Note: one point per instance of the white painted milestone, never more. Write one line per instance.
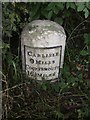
(43, 46)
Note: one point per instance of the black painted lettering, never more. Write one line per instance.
(27, 66)
(29, 53)
(43, 56)
(42, 62)
(57, 53)
(28, 72)
(38, 61)
(38, 55)
(46, 55)
(50, 75)
(41, 69)
(31, 60)
(34, 55)
(49, 69)
(53, 54)
(39, 75)
(54, 74)
(45, 68)
(50, 55)
(31, 73)
(45, 62)
(44, 75)
(53, 61)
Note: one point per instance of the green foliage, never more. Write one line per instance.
(83, 7)
(16, 15)
(11, 65)
(87, 39)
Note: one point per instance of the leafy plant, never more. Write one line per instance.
(65, 99)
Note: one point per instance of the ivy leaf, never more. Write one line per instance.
(56, 10)
(86, 12)
(87, 39)
(50, 14)
(80, 6)
(14, 28)
(50, 6)
(88, 5)
(60, 6)
(59, 20)
(83, 53)
(34, 10)
(71, 5)
(67, 5)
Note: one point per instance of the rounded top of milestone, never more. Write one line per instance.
(43, 33)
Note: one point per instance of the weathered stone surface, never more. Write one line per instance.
(43, 45)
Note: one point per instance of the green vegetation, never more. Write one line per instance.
(65, 99)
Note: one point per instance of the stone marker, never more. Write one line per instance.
(43, 45)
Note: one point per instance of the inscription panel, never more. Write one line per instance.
(42, 63)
